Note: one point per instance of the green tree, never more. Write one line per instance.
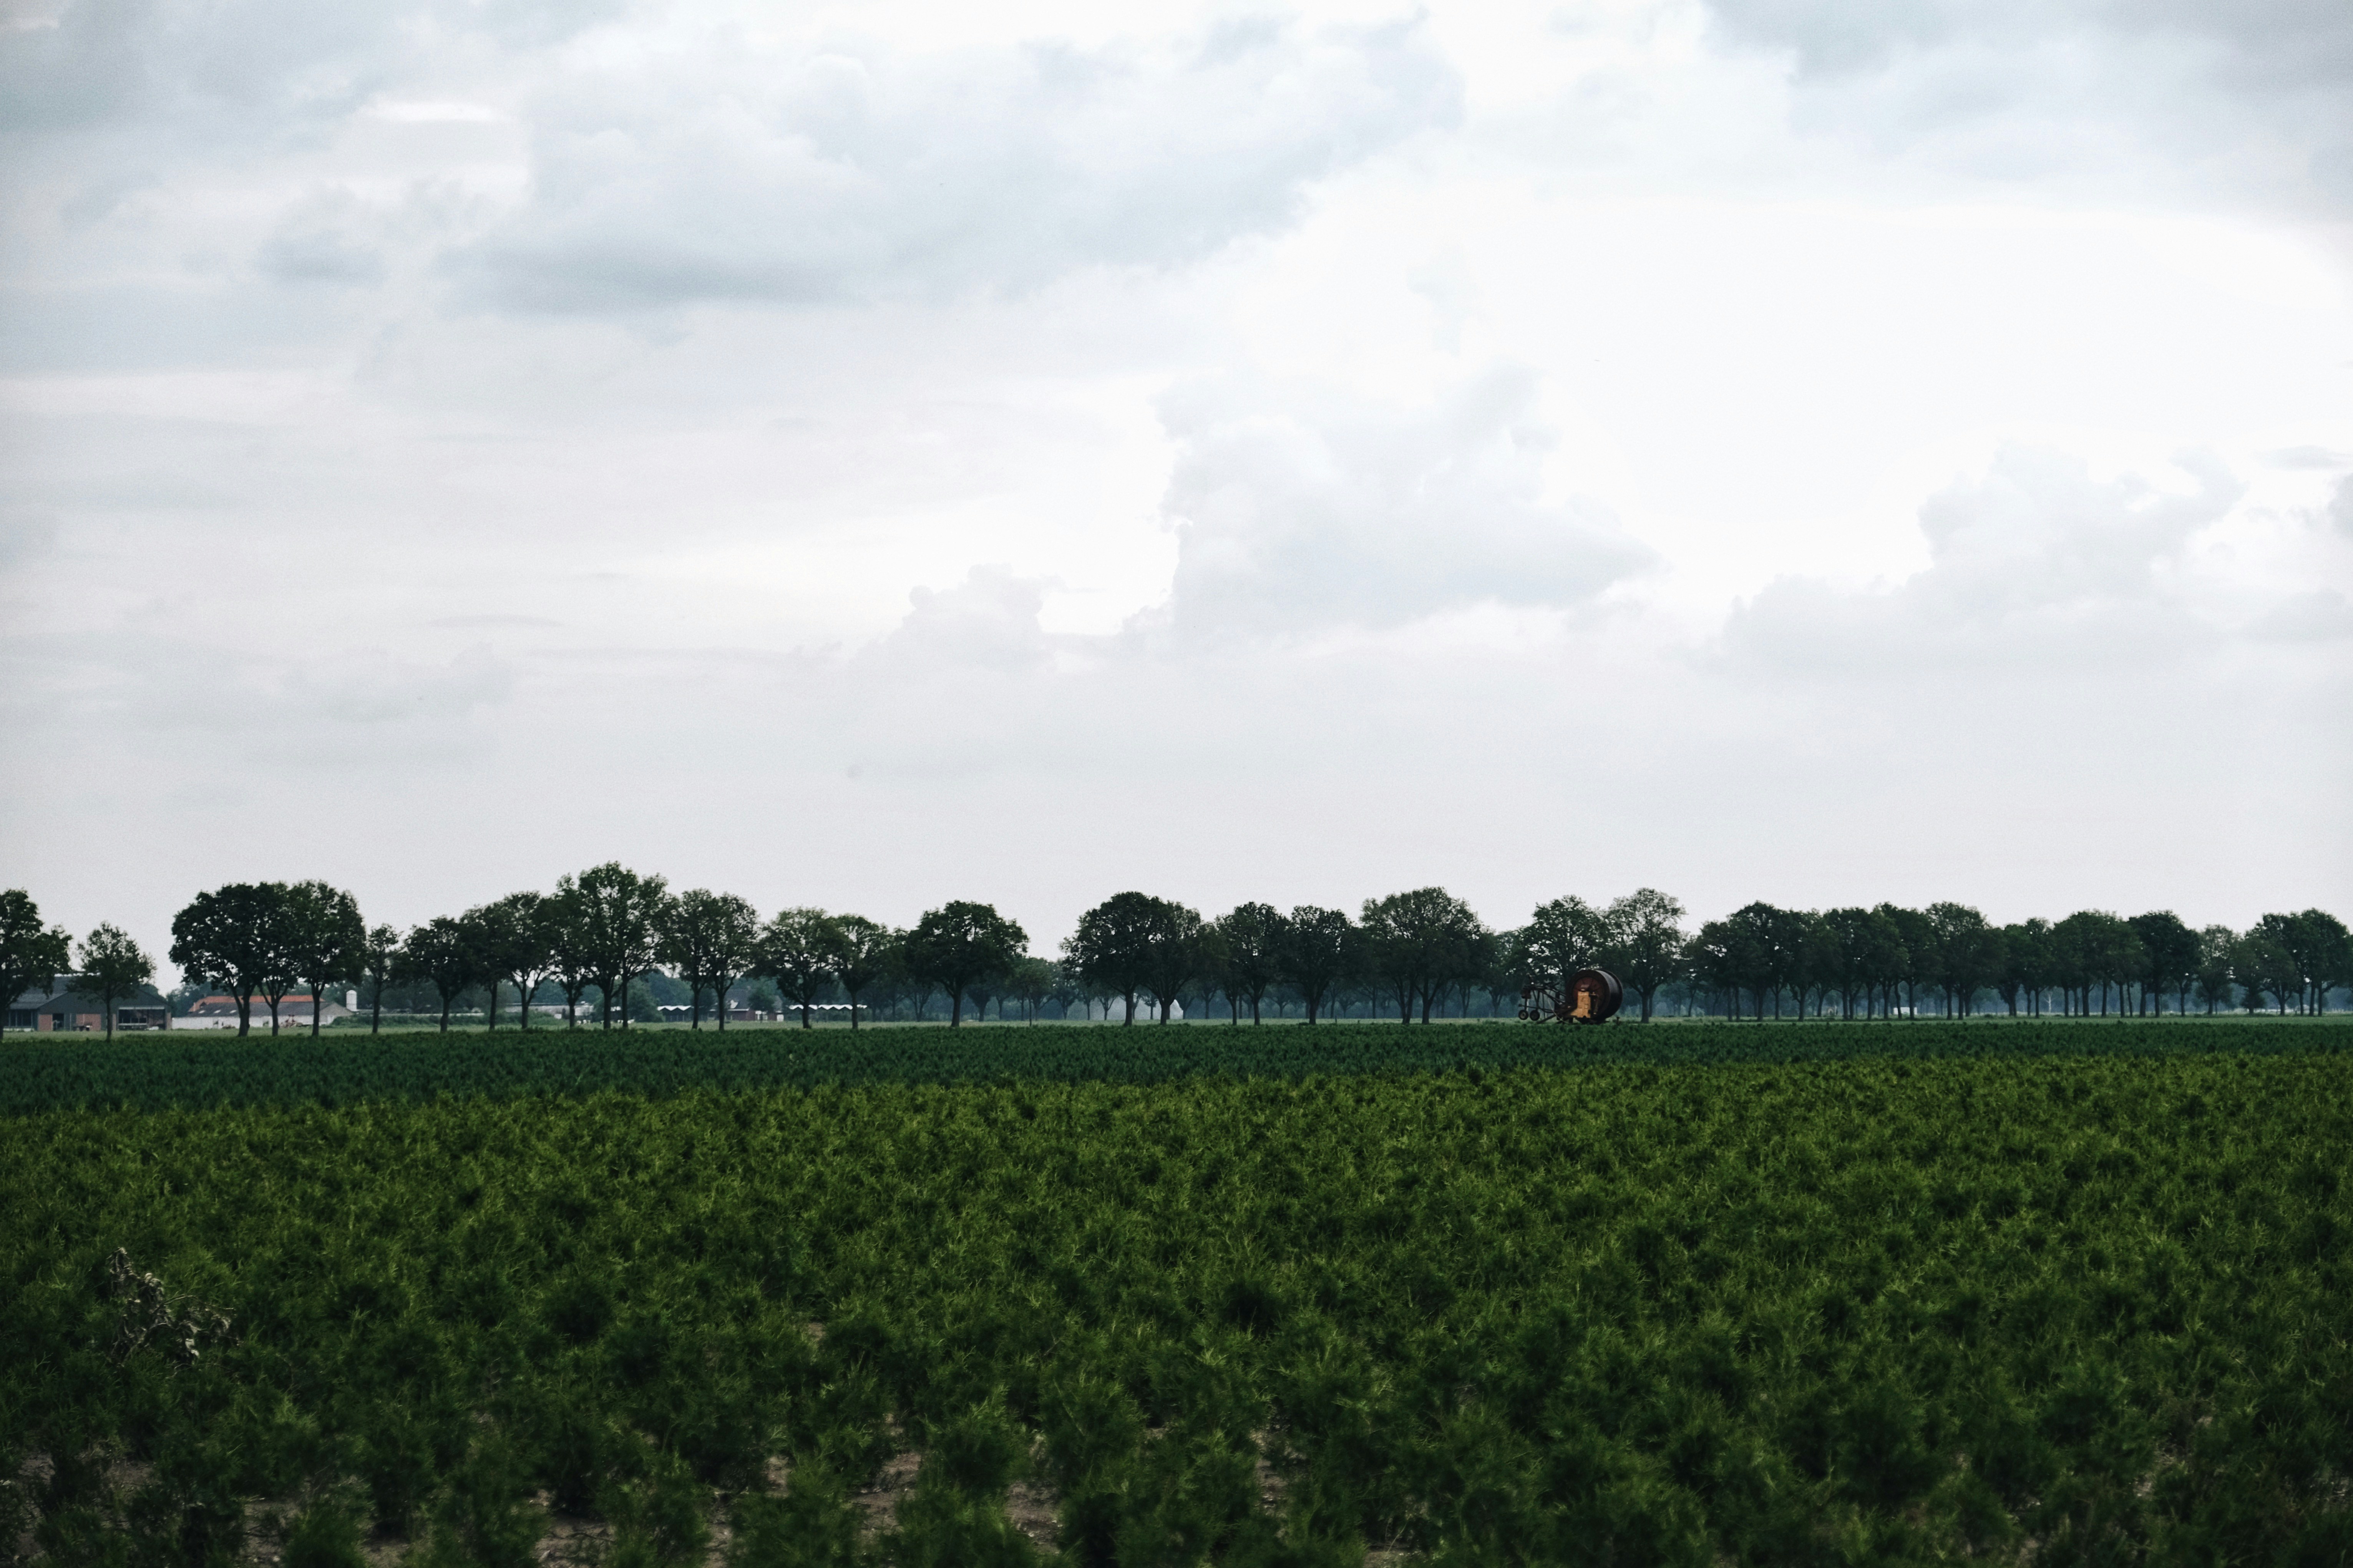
(2112, 957)
(2026, 963)
(31, 954)
(861, 953)
(1908, 963)
(1030, 983)
(2169, 957)
(1419, 942)
(1254, 936)
(1854, 939)
(1644, 943)
(1068, 989)
(1965, 955)
(621, 915)
(1322, 949)
(517, 946)
(2261, 963)
(799, 948)
(1812, 958)
(572, 955)
(379, 965)
(1760, 951)
(1174, 953)
(712, 940)
(2332, 955)
(1561, 938)
(1714, 957)
(2313, 943)
(960, 945)
(2216, 944)
(446, 953)
(2095, 951)
(230, 937)
(1111, 947)
(113, 967)
(325, 942)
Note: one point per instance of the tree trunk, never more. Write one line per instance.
(955, 1008)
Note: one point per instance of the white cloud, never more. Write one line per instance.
(1298, 508)
(850, 169)
(2241, 102)
(2037, 570)
(869, 455)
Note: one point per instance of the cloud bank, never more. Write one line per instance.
(870, 456)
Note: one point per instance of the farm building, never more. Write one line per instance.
(220, 1012)
(59, 1008)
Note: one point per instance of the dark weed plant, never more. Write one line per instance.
(2059, 1306)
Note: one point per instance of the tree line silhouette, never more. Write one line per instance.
(1410, 954)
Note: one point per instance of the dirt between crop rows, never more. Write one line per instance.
(570, 1541)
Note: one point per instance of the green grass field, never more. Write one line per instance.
(2062, 1293)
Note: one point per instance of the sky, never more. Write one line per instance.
(1824, 451)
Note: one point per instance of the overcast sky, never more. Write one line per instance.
(1819, 450)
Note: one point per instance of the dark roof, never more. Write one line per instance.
(60, 998)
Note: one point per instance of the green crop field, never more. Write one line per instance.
(152, 1071)
(1838, 1294)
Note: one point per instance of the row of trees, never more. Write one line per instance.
(601, 931)
(1871, 962)
(607, 928)
(107, 963)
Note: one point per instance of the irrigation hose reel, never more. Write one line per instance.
(1590, 997)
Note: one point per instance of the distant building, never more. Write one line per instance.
(220, 1012)
(59, 1008)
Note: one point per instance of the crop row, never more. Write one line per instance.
(152, 1072)
(2095, 1306)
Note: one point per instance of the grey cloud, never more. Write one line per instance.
(731, 176)
(2340, 505)
(2308, 458)
(492, 622)
(987, 621)
(2251, 101)
(2268, 44)
(2037, 568)
(1308, 512)
(26, 537)
(320, 257)
(86, 63)
(272, 65)
(355, 696)
(2315, 617)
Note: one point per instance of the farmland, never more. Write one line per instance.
(1829, 1293)
(156, 1071)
